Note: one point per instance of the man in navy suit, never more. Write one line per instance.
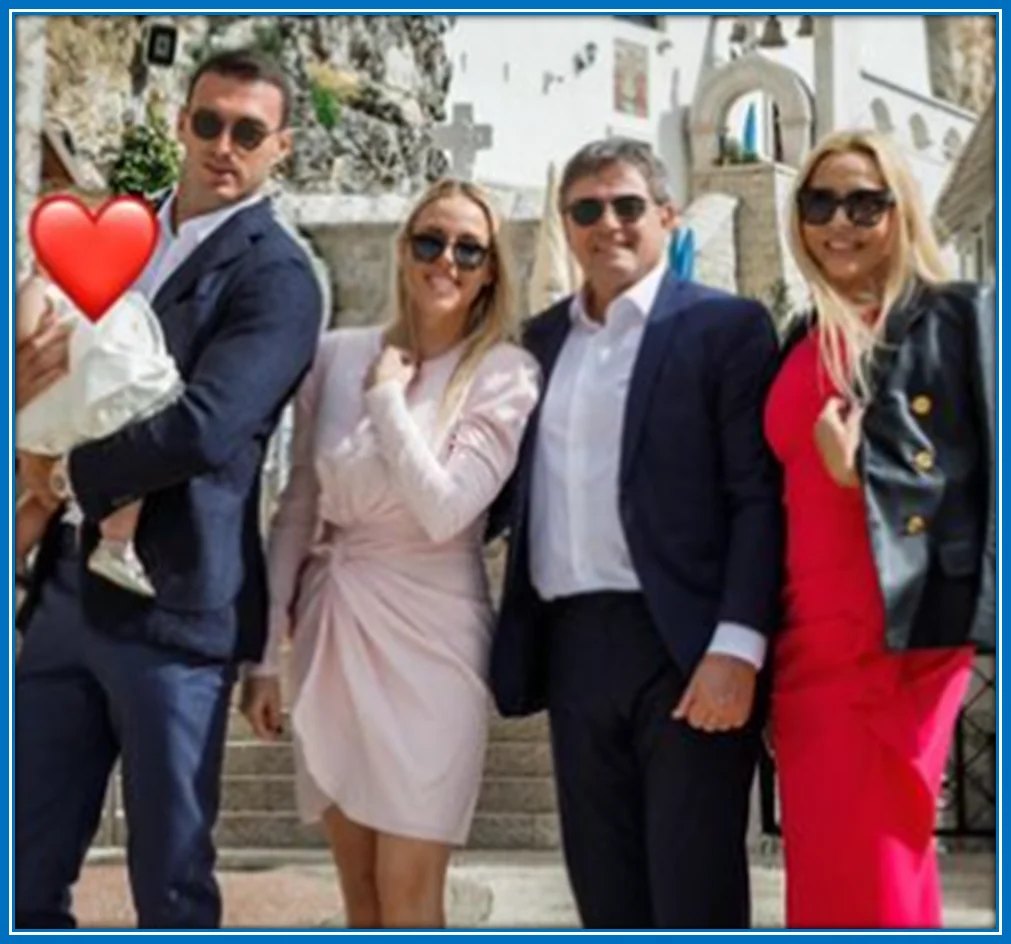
(105, 673)
(643, 568)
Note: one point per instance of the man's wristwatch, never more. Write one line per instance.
(59, 480)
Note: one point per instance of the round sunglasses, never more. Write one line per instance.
(468, 254)
(628, 208)
(863, 208)
(247, 133)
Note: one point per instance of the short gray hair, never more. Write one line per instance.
(592, 158)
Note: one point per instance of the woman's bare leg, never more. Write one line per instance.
(354, 853)
(412, 882)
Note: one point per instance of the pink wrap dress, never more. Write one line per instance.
(376, 569)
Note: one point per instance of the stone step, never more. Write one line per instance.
(273, 830)
(514, 831)
(503, 759)
(255, 758)
(285, 831)
(533, 728)
(517, 795)
(518, 759)
(257, 793)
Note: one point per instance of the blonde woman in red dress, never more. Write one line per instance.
(882, 416)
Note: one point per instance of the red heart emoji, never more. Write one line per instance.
(93, 256)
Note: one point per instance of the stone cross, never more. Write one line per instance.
(463, 139)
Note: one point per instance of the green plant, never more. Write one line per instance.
(732, 152)
(148, 159)
(325, 104)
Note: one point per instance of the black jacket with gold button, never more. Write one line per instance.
(928, 464)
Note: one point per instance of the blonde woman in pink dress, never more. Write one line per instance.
(404, 435)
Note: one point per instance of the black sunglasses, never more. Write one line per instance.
(468, 254)
(628, 208)
(863, 208)
(247, 133)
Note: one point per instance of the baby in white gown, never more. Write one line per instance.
(119, 372)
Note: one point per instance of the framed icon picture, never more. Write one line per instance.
(631, 78)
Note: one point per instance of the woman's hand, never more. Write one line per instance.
(261, 704)
(837, 435)
(393, 363)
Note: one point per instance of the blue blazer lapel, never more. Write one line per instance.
(648, 362)
(547, 349)
(545, 345)
(221, 247)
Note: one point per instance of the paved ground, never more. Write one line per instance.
(500, 889)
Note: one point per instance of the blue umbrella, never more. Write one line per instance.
(682, 254)
(749, 139)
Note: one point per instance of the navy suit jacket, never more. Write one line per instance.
(241, 318)
(699, 491)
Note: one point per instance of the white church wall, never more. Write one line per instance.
(928, 131)
(895, 48)
(519, 72)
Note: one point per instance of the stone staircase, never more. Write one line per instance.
(516, 808)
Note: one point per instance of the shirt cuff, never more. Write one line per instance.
(742, 642)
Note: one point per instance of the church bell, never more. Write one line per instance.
(772, 33)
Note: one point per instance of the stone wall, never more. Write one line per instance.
(383, 81)
(711, 218)
(355, 238)
(760, 224)
(962, 53)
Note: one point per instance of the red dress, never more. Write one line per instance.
(860, 734)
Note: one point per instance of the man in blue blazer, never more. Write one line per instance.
(644, 560)
(106, 674)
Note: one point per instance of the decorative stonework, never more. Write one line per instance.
(760, 222)
(30, 72)
(751, 73)
(962, 52)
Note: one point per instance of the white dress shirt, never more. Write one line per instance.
(577, 542)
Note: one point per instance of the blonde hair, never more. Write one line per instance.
(847, 343)
(493, 316)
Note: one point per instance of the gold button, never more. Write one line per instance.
(924, 461)
(922, 405)
(915, 525)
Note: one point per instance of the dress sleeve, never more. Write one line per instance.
(294, 523)
(448, 493)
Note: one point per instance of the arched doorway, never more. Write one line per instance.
(752, 73)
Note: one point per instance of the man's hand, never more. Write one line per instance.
(41, 359)
(719, 695)
(35, 473)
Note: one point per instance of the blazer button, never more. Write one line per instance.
(921, 405)
(915, 524)
(924, 460)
